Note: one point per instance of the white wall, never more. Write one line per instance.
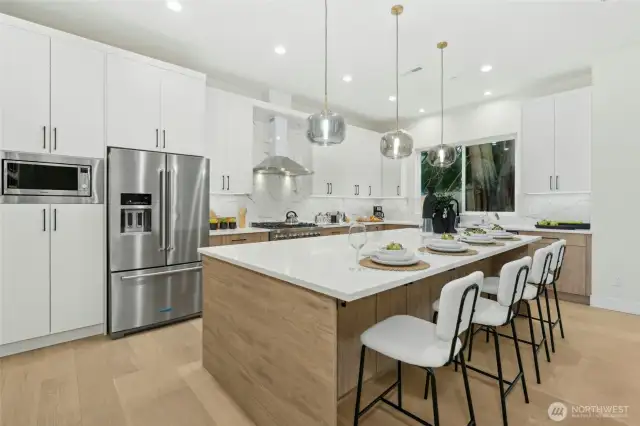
(501, 117)
(615, 153)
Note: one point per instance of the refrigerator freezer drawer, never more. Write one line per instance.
(145, 297)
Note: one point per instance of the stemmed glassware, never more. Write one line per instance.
(357, 240)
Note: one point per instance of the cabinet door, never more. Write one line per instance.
(239, 145)
(371, 164)
(24, 271)
(24, 90)
(573, 140)
(77, 266)
(133, 104)
(77, 99)
(538, 146)
(391, 177)
(216, 139)
(321, 166)
(183, 105)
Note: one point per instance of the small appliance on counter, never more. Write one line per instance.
(286, 231)
(291, 218)
(336, 217)
(377, 212)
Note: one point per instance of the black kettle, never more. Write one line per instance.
(291, 218)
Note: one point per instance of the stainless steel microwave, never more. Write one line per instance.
(51, 179)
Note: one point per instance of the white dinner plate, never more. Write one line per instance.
(445, 244)
(504, 236)
(392, 257)
(448, 249)
(468, 240)
(406, 262)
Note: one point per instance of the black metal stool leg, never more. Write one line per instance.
(471, 341)
(546, 298)
(356, 417)
(467, 389)
(533, 343)
(555, 294)
(399, 384)
(426, 385)
(517, 344)
(436, 416)
(434, 317)
(503, 401)
(544, 333)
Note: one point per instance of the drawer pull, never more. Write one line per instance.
(158, 274)
(239, 239)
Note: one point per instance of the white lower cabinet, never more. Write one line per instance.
(77, 266)
(51, 269)
(24, 271)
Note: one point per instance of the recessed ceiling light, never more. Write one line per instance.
(392, 98)
(421, 110)
(280, 50)
(486, 68)
(488, 93)
(174, 5)
(347, 78)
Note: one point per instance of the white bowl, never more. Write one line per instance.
(477, 237)
(443, 243)
(393, 253)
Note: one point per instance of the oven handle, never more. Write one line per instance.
(159, 274)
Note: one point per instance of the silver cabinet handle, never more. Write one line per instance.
(44, 220)
(44, 137)
(159, 274)
(223, 182)
(228, 181)
(398, 190)
(327, 188)
(164, 138)
(55, 138)
(550, 183)
(157, 138)
(163, 187)
(238, 239)
(331, 188)
(369, 190)
(557, 186)
(55, 219)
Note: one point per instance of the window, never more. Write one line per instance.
(485, 183)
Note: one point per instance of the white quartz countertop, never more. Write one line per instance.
(236, 231)
(322, 264)
(532, 228)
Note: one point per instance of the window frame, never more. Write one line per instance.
(464, 144)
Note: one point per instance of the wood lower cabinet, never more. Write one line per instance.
(228, 240)
(575, 277)
(334, 231)
(394, 227)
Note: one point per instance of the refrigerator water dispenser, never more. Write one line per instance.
(135, 213)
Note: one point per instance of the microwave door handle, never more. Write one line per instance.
(162, 210)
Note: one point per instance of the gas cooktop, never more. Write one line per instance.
(282, 225)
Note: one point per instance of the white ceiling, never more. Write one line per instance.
(524, 42)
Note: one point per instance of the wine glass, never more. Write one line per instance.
(357, 240)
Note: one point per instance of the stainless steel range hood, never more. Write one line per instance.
(278, 162)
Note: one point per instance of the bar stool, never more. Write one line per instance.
(418, 342)
(558, 248)
(542, 259)
(492, 314)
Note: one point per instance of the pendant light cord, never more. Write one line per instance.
(442, 97)
(397, 90)
(326, 54)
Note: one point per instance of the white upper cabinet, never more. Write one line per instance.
(133, 104)
(77, 99)
(556, 143)
(229, 142)
(538, 145)
(573, 141)
(391, 177)
(77, 266)
(183, 106)
(24, 271)
(24, 90)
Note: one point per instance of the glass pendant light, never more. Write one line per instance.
(326, 127)
(442, 155)
(397, 143)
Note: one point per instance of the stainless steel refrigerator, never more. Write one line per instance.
(158, 211)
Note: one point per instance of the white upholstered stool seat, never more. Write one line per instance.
(488, 312)
(410, 340)
(490, 286)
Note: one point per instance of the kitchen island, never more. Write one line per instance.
(282, 320)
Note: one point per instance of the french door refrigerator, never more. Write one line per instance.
(158, 217)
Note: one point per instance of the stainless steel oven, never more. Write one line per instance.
(51, 179)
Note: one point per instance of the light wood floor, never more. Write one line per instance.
(156, 379)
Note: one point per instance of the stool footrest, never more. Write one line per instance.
(406, 413)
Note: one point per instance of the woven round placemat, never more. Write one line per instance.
(493, 243)
(368, 263)
(469, 252)
(510, 239)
